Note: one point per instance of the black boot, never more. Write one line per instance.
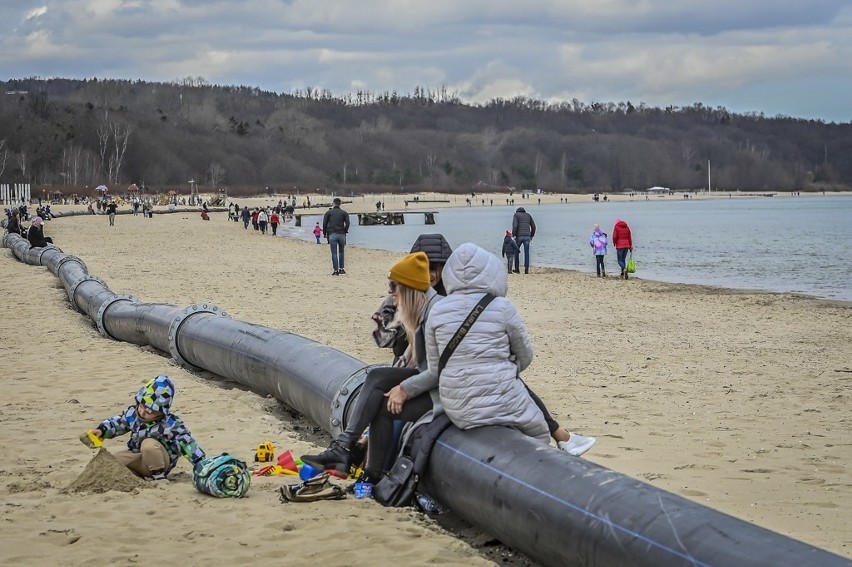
(337, 456)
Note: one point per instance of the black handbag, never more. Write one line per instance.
(397, 487)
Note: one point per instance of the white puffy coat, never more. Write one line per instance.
(479, 385)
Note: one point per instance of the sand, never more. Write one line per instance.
(740, 401)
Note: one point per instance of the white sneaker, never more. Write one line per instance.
(577, 444)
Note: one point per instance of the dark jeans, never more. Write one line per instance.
(621, 256)
(599, 263)
(337, 241)
(274, 226)
(523, 241)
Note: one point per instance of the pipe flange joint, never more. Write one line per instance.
(342, 398)
(99, 319)
(40, 251)
(70, 258)
(178, 321)
(73, 291)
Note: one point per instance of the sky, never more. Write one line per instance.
(776, 57)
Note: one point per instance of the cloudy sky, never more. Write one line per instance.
(790, 57)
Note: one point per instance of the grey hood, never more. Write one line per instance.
(471, 269)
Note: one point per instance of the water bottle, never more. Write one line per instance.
(429, 506)
(363, 489)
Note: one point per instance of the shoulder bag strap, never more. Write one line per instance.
(465, 327)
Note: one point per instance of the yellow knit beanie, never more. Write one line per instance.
(412, 271)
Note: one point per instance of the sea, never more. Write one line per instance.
(797, 244)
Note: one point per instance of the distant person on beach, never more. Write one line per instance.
(598, 242)
(510, 250)
(317, 232)
(523, 227)
(246, 215)
(262, 219)
(274, 219)
(335, 226)
(36, 236)
(622, 239)
(111, 209)
(157, 436)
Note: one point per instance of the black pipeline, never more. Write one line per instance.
(557, 509)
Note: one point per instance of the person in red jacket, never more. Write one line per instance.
(623, 242)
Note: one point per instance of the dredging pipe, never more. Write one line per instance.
(557, 509)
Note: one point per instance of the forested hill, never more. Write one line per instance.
(77, 133)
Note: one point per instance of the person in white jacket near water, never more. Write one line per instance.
(480, 384)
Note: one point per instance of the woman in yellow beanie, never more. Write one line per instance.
(409, 285)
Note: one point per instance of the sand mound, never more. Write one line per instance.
(104, 473)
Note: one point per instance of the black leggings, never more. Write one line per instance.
(552, 424)
(372, 398)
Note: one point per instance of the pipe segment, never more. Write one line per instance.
(557, 509)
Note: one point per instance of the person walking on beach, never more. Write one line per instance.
(246, 215)
(317, 232)
(623, 241)
(510, 250)
(273, 222)
(335, 226)
(262, 219)
(111, 208)
(523, 227)
(598, 242)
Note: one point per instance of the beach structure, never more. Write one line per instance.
(557, 509)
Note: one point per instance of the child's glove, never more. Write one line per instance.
(91, 439)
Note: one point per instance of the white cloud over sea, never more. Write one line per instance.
(776, 57)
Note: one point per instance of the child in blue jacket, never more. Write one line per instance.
(510, 249)
(157, 436)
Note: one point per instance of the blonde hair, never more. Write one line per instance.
(410, 303)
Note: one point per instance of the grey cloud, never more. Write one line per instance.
(659, 52)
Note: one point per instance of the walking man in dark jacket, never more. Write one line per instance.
(335, 225)
(523, 227)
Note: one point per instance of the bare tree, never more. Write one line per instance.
(22, 163)
(216, 173)
(71, 164)
(103, 133)
(120, 136)
(4, 153)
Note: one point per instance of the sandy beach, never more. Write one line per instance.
(740, 401)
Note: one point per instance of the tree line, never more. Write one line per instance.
(83, 133)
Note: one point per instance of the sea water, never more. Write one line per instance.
(782, 243)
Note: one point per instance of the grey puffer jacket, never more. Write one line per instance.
(479, 385)
(523, 224)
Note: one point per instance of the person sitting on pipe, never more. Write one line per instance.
(36, 236)
(157, 436)
(476, 390)
(411, 379)
(409, 284)
(438, 250)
